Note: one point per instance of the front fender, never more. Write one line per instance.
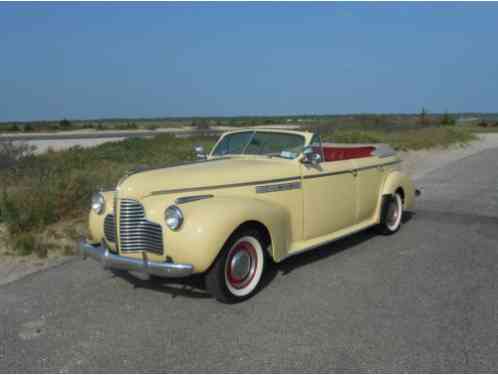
(397, 180)
(96, 221)
(210, 222)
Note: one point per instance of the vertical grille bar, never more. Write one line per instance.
(110, 228)
(135, 232)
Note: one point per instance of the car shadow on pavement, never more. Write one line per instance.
(193, 286)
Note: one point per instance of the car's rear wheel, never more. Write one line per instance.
(237, 272)
(392, 213)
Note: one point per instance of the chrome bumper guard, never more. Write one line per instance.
(114, 261)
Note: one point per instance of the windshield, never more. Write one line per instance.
(283, 145)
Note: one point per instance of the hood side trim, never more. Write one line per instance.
(242, 184)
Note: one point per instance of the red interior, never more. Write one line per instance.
(345, 153)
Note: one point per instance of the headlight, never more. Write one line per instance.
(98, 203)
(174, 217)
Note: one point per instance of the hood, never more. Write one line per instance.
(206, 175)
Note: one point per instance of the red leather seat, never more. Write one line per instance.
(346, 153)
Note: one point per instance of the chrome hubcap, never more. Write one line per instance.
(392, 213)
(240, 265)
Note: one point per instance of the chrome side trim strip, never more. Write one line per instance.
(327, 174)
(242, 184)
(193, 198)
(378, 165)
(351, 170)
(279, 187)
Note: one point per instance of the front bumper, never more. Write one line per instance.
(114, 261)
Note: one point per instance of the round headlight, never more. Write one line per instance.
(174, 217)
(98, 203)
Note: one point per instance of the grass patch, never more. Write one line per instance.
(40, 194)
(411, 139)
(46, 189)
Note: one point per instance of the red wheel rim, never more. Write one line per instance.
(241, 265)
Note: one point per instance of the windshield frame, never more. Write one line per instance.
(254, 131)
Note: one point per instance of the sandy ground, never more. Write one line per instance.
(62, 144)
(415, 163)
(43, 146)
(184, 129)
(418, 163)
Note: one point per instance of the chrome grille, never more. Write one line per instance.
(135, 232)
(110, 228)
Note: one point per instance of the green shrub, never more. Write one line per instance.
(447, 120)
(44, 189)
(413, 139)
(64, 124)
(24, 244)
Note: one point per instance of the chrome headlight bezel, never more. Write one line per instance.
(98, 203)
(173, 217)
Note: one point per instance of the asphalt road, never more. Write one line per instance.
(425, 299)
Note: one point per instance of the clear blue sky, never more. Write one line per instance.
(184, 59)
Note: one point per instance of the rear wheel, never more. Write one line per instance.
(392, 213)
(237, 272)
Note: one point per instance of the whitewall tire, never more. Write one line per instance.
(237, 272)
(392, 214)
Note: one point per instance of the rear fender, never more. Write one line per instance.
(393, 182)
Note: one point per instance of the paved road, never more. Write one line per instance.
(423, 300)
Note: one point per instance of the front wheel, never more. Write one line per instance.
(237, 272)
(392, 213)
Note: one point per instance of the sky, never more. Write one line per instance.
(102, 60)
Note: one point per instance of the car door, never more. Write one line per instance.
(329, 200)
(368, 183)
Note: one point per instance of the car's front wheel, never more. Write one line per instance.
(392, 214)
(237, 272)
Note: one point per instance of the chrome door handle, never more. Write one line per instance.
(354, 172)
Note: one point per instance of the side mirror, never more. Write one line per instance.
(311, 157)
(199, 152)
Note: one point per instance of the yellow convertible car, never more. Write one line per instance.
(260, 195)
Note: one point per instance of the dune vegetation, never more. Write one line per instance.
(44, 198)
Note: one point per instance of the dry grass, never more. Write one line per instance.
(411, 139)
(44, 199)
(40, 192)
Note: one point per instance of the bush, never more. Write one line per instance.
(447, 120)
(11, 128)
(28, 128)
(24, 244)
(11, 152)
(482, 124)
(414, 139)
(64, 124)
(201, 124)
(51, 187)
